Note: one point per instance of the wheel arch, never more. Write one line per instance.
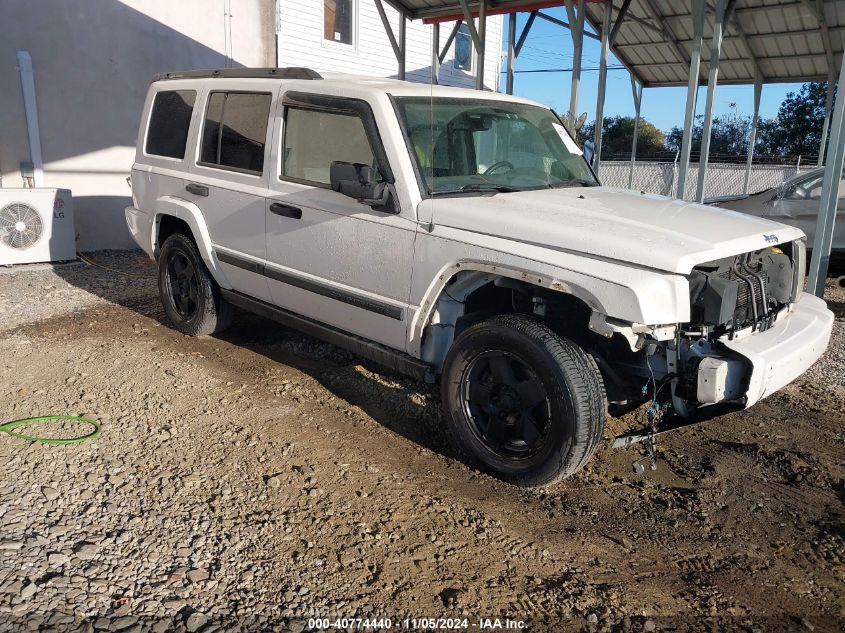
(189, 214)
(436, 323)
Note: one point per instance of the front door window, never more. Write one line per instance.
(310, 144)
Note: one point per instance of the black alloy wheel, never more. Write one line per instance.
(506, 404)
(524, 403)
(181, 283)
(191, 298)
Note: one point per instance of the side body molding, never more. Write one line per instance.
(192, 216)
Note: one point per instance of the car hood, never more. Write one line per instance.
(617, 224)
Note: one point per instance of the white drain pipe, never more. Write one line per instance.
(28, 89)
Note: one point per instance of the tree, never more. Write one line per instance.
(728, 135)
(797, 128)
(618, 134)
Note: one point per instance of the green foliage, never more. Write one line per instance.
(796, 130)
(618, 134)
(728, 136)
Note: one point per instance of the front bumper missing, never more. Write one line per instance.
(777, 356)
(786, 350)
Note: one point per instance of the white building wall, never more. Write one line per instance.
(93, 61)
(301, 43)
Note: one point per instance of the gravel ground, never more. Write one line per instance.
(256, 479)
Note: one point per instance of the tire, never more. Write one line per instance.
(190, 296)
(525, 404)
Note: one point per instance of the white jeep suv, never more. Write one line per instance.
(460, 235)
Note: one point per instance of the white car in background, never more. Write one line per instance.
(795, 202)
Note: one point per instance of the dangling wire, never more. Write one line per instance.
(653, 415)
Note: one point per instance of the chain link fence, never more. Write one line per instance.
(723, 179)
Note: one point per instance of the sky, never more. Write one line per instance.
(550, 46)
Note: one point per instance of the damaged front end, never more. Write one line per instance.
(689, 371)
(730, 298)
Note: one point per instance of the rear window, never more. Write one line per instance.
(235, 131)
(170, 120)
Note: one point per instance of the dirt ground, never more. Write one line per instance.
(260, 478)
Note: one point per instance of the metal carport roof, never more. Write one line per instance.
(787, 40)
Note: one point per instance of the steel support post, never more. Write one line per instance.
(511, 48)
(828, 103)
(449, 40)
(637, 89)
(823, 241)
(515, 45)
(435, 53)
(576, 31)
(605, 49)
(403, 47)
(692, 95)
(712, 82)
(478, 35)
(399, 46)
(752, 137)
(482, 39)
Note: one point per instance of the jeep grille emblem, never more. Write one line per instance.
(770, 239)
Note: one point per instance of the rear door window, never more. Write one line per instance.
(170, 120)
(235, 131)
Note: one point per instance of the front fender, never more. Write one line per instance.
(626, 293)
(192, 216)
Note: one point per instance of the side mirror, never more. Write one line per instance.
(351, 179)
(356, 181)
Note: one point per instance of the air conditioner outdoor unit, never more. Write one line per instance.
(36, 225)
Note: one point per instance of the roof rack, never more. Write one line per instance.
(289, 72)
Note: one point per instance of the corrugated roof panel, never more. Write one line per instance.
(732, 49)
(662, 74)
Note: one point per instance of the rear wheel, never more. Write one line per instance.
(526, 404)
(189, 294)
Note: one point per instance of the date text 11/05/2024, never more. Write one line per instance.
(416, 624)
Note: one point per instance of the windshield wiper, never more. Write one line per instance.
(477, 186)
(575, 182)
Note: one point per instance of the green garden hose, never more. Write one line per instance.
(8, 426)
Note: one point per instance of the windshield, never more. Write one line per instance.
(465, 145)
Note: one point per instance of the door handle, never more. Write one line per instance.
(199, 190)
(286, 210)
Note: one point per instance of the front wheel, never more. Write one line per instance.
(189, 294)
(526, 404)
